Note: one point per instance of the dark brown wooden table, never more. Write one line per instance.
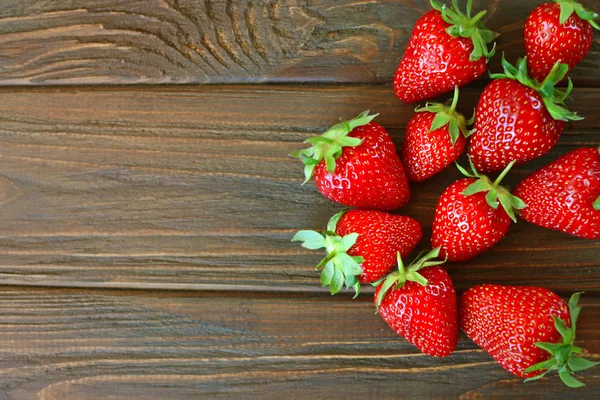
(147, 203)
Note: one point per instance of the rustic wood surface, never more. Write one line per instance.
(145, 229)
(192, 41)
(71, 345)
(193, 188)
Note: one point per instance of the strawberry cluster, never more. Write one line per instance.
(519, 117)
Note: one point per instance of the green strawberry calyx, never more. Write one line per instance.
(338, 268)
(447, 115)
(596, 204)
(565, 356)
(398, 278)
(328, 146)
(496, 194)
(553, 99)
(568, 7)
(462, 25)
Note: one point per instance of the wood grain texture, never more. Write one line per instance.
(190, 41)
(192, 188)
(65, 344)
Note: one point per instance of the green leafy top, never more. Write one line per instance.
(568, 7)
(553, 98)
(496, 194)
(447, 115)
(565, 356)
(462, 25)
(338, 268)
(597, 201)
(328, 146)
(398, 278)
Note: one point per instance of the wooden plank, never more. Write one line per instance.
(61, 344)
(192, 188)
(188, 41)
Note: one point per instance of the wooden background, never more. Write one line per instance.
(147, 203)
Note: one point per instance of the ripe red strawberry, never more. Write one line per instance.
(468, 219)
(419, 303)
(355, 163)
(529, 330)
(565, 194)
(558, 32)
(446, 49)
(435, 138)
(517, 118)
(361, 246)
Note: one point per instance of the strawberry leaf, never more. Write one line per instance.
(439, 120)
(566, 9)
(327, 274)
(535, 378)
(480, 185)
(551, 348)
(462, 25)
(310, 239)
(544, 365)
(564, 331)
(565, 355)
(447, 115)
(337, 281)
(597, 204)
(577, 363)
(328, 146)
(568, 379)
(349, 266)
(348, 241)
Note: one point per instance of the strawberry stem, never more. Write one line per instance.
(329, 145)
(447, 115)
(568, 7)
(398, 278)
(337, 268)
(565, 356)
(496, 195)
(462, 25)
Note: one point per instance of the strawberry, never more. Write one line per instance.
(518, 118)
(419, 303)
(361, 246)
(468, 219)
(565, 195)
(529, 330)
(446, 49)
(558, 32)
(435, 138)
(355, 163)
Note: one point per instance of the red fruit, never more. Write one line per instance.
(446, 49)
(528, 330)
(468, 219)
(355, 163)
(361, 246)
(421, 306)
(565, 194)
(557, 32)
(517, 118)
(435, 138)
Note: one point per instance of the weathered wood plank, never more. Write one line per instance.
(60, 344)
(187, 41)
(193, 189)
